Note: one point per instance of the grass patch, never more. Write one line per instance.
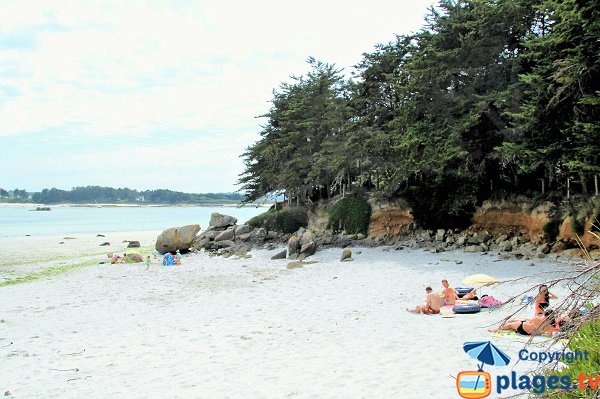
(350, 214)
(47, 272)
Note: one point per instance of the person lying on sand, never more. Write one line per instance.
(537, 325)
(432, 304)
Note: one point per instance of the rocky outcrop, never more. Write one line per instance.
(133, 244)
(177, 238)
(219, 221)
(513, 218)
(390, 219)
(568, 235)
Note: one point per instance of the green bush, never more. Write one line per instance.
(286, 220)
(552, 229)
(587, 338)
(351, 214)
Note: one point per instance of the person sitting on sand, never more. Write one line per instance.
(432, 304)
(542, 300)
(537, 325)
(177, 259)
(450, 294)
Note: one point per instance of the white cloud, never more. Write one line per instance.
(122, 69)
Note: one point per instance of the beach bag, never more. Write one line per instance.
(489, 302)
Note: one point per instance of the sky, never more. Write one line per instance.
(162, 94)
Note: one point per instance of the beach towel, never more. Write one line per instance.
(489, 302)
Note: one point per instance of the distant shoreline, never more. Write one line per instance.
(125, 205)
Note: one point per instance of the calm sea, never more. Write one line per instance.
(20, 221)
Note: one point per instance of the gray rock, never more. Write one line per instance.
(217, 220)
(501, 238)
(540, 255)
(225, 235)
(104, 244)
(346, 255)
(259, 234)
(134, 258)
(473, 248)
(484, 247)
(242, 229)
(505, 246)
(222, 244)
(475, 240)
(176, 238)
(200, 242)
(450, 240)
(293, 245)
(295, 265)
(543, 249)
(462, 240)
(308, 249)
(133, 244)
(243, 237)
(439, 235)
(360, 236)
(426, 235)
(279, 255)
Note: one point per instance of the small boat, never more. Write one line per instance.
(42, 208)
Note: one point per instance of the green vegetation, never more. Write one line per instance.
(552, 229)
(47, 272)
(489, 96)
(350, 214)
(286, 220)
(587, 338)
(91, 194)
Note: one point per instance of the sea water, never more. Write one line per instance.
(22, 220)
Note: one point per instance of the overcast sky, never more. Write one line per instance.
(162, 94)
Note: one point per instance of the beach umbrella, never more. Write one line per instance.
(487, 353)
(480, 279)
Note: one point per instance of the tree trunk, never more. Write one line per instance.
(583, 179)
(543, 186)
(568, 188)
(596, 184)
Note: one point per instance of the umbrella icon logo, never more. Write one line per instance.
(478, 384)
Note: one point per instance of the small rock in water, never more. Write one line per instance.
(104, 244)
(62, 242)
(69, 238)
(27, 235)
(99, 235)
(133, 244)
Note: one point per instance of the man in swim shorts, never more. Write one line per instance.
(432, 304)
(450, 294)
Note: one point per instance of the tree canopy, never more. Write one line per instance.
(489, 96)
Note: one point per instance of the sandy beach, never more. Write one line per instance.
(239, 328)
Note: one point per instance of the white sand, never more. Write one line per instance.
(225, 328)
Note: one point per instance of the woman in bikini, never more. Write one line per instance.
(538, 325)
(542, 300)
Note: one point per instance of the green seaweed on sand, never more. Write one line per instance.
(48, 272)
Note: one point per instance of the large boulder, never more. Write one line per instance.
(218, 221)
(293, 246)
(279, 255)
(242, 229)
(308, 249)
(133, 244)
(473, 248)
(176, 238)
(225, 235)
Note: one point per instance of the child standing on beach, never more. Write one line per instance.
(148, 262)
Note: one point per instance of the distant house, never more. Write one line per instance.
(140, 198)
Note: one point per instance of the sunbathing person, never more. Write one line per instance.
(450, 294)
(542, 299)
(537, 325)
(432, 304)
